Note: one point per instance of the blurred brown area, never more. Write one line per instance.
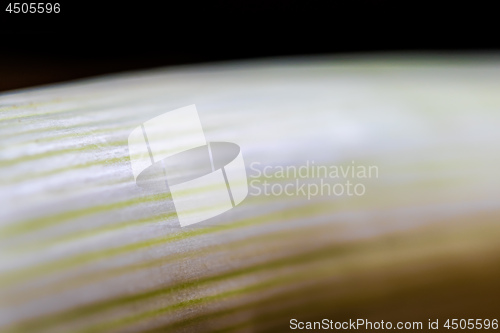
(24, 72)
(17, 74)
(438, 272)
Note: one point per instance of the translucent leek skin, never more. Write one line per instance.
(83, 248)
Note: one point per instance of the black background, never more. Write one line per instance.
(96, 37)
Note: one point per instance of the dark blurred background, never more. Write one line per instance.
(90, 38)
